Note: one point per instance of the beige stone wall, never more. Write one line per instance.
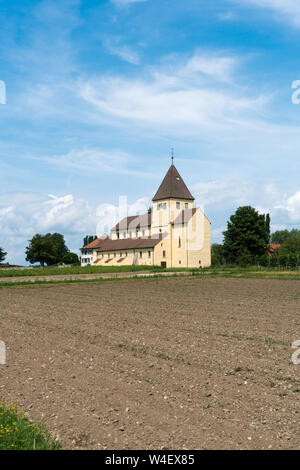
(194, 240)
(198, 241)
(163, 246)
(161, 218)
(130, 257)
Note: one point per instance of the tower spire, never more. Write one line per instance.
(172, 155)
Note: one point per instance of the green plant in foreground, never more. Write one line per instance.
(17, 432)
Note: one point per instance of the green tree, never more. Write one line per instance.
(279, 236)
(89, 239)
(291, 244)
(40, 250)
(282, 260)
(2, 254)
(70, 258)
(217, 254)
(247, 235)
(60, 246)
(46, 249)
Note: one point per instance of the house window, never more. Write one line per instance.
(126, 253)
(141, 254)
(115, 254)
(180, 261)
(186, 205)
(120, 255)
(164, 205)
(124, 235)
(164, 254)
(130, 234)
(177, 205)
(158, 206)
(149, 254)
(179, 242)
(108, 255)
(118, 234)
(143, 233)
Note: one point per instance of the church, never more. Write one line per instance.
(173, 234)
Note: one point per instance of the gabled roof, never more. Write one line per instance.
(172, 186)
(94, 243)
(107, 244)
(134, 222)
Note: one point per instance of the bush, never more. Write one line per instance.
(18, 433)
(70, 258)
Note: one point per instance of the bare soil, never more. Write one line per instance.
(156, 364)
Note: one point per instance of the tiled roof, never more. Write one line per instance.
(172, 186)
(94, 243)
(184, 216)
(134, 222)
(273, 247)
(108, 244)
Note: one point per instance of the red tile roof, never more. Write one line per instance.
(94, 243)
(107, 244)
(273, 247)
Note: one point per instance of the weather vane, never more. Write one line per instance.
(172, 155)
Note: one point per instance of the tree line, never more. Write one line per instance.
(247, 242)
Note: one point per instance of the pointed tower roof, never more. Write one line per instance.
(172, 186)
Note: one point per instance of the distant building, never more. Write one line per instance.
(174, 234)
(273, 248)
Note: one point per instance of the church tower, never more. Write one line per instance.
(171, 198)
(185, 230)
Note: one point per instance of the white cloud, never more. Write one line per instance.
(285, 9)
(127, 53)
(103, 161)
(292, 206)
(176, 98)
(22, 215)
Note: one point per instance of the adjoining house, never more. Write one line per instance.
(173, 234)
(273, 248)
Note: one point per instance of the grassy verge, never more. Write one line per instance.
(54, 271)
(229, 273)
(18, 433)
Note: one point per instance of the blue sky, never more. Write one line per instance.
(97, 93)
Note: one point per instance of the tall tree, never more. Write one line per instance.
(291, 244)
(89, 239)
(247, 235)
(2, 254)
(46, 249)
(280, 236)
(60, 246)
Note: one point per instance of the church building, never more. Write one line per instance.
(173, 234)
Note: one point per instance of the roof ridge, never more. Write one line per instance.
(172, 186)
